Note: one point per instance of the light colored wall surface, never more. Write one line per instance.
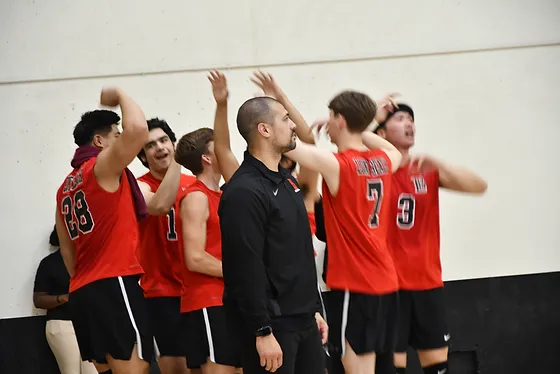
(482, 77)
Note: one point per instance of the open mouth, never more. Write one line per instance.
(161, 157)
(409, 134)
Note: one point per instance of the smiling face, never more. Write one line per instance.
(158, 151)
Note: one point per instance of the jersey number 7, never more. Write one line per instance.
(375, 193)
(77, 215)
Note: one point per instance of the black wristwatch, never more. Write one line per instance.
(264, 331)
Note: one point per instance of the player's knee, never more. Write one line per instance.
(400, 359)
(431, 357)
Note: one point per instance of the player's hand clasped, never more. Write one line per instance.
(269, 352)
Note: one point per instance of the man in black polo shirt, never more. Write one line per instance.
(271, 293)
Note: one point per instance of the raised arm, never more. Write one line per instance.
(160, 202)
(242, 219)
(374, 141)
(67, 248)
(222, 147)
(318, 160)
(112, 161)
(194, 215)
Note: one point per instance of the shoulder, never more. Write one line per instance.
(187, 180)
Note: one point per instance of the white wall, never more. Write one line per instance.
(482, 77)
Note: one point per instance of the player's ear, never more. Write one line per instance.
(97, 141)
(206, 159)
(382, 132)
(264, 129)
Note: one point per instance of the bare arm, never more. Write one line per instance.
(460, 179)
(373, 141)
(67, 248)
(43, 300)
(194, 215)
(160, 202)
(222, 146)
(319, 160)
(111, 162)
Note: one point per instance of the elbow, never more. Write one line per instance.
(193, 263)
(159, 209)
(480, 187)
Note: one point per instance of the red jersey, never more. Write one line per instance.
(101, 224)
(356, 223)
(160, 250)
(201, 290)
(414, 229)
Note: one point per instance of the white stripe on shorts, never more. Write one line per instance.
(131, 316)
(345, 306)
(209, 335)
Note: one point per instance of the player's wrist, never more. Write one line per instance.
(263, 332)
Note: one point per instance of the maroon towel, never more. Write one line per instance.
(86, 152)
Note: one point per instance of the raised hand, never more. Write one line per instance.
(109, 96)
(423, 163)
(219, 86)
(267, 83)
(386, 105)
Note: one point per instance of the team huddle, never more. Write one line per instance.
(224, 278)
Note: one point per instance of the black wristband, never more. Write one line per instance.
(264, 331)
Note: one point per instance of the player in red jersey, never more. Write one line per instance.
(414, 239)
(160, 250)
(355, 183)
(208, 345)
(98, 209)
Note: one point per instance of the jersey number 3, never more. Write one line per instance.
(77, 215)
(375, 193)
(407, 210)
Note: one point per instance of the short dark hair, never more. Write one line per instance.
(402, 108)
(96, 122)
(53, 239)
(253, 112)
(156, 123)
(357, 108)
(191, 147)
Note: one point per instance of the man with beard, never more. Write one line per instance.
(271, 294)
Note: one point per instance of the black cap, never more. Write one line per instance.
(402, 108)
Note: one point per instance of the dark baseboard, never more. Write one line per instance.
(498, 325)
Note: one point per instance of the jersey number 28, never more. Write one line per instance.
(77, 215)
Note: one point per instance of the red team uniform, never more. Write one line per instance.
(161, 256)
(359, 262)
(201, 298)
(104, 229)
(414, 240)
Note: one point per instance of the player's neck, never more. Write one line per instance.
(405, 155)
(210, 180)
(269, 158)
(158, 174)
(348, 141)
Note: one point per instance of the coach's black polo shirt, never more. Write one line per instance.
(53, 278)
(267, 251)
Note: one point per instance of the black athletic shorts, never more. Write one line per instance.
(208, 338)
(367, 322)
(168, 326)
(110, 316)
(422, 320)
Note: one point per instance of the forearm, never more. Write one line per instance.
(303, 131)
(460, 179)
(133, 119)
(48, 301)
(163, 199)
(205, 263)
(221, 128)
(374, 141)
